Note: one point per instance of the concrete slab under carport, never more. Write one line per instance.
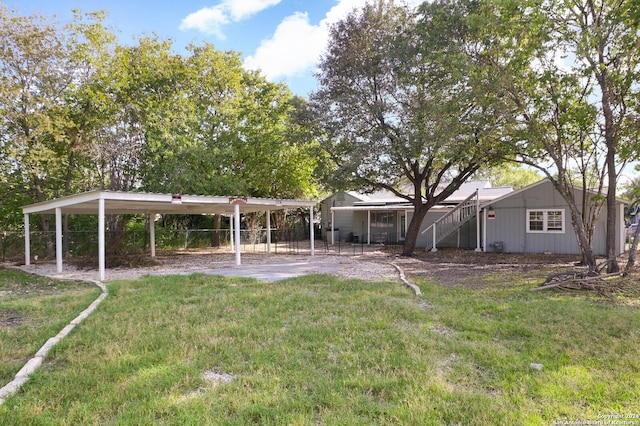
(271, 272)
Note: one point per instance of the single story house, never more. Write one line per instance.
(534, 219)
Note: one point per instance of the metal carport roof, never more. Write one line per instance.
(116, 202)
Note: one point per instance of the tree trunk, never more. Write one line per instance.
(115, 234)
(588, 256)
(49, 242)
(631, 261)
(612, 262)
(411, 237)
(215, 239)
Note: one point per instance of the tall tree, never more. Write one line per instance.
(400, 100)
(573, 92)
(604, 37)
(34, 75)
(269, 154)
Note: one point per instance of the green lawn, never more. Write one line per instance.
(33, 309)
(321, 350)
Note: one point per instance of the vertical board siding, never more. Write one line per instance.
(509, 226)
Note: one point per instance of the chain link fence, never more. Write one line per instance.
(85, 243)
(285, 241)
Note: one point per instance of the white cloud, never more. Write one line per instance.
(241, 9)
(293, 48)
(296, 45)
(210, 20)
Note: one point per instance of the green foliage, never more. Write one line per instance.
(574, 97)
(34, 73)
(403, 98)
(89, 113)
(509, 174)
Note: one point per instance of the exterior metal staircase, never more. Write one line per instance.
(452, 221)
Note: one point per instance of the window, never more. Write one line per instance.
(382, 220)
(543, 221)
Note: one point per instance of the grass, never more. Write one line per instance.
(33, 309)
(321, 350)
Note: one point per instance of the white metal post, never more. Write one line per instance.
(236, 214)
(433, 248)
(101, 231)
(333, 220)
(152, 234)
(478, 221)
(311, 233)
(268, 231)
(27, 241)
(59, 239)
(231, 234)
(368, 227)
(484, 230)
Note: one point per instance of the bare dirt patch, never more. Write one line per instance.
(454, 267)
(450, 267)
(10, 318)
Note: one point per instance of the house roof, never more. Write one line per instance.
(141, 202)
(485, 191)
(533, 185)
(386, 198)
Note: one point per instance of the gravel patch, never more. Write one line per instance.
(266, 267)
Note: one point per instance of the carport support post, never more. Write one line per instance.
(368, 227)
(27, 241)
(333, 220)
(236, 215)
(478, 222)
(101, 250)
(231, 234)
(484, 229)
(152, 234)
(59, 239)
(268, 231)
(311, 234)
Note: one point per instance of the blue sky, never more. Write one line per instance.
(282, 38)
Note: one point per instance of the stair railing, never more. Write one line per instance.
(453, 220)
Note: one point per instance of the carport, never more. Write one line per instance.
(102, 203)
